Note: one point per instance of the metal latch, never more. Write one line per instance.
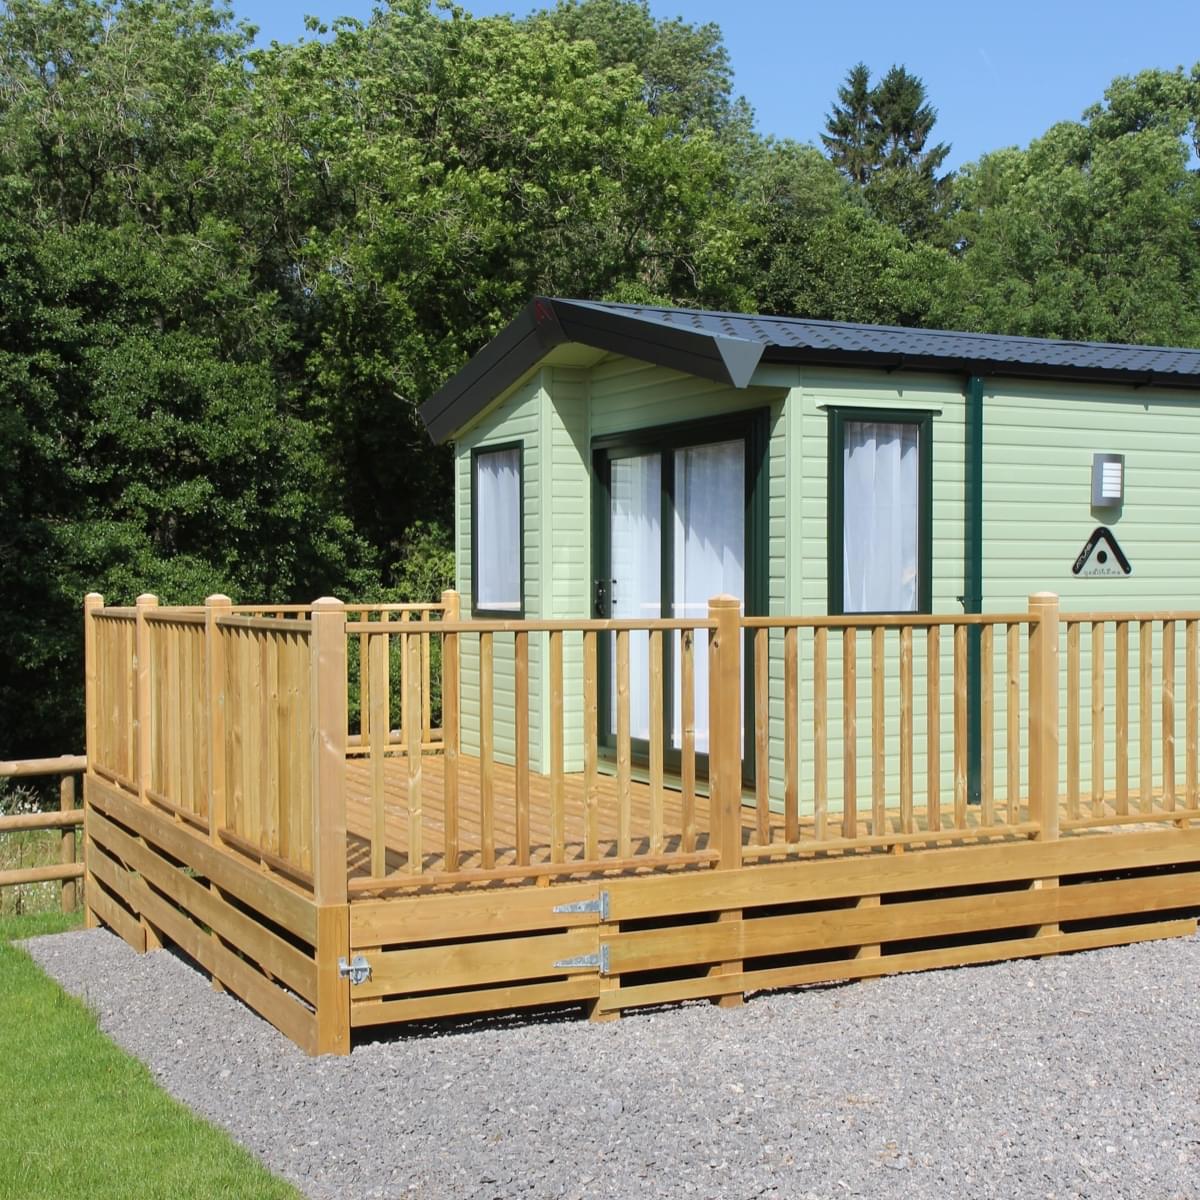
(357, 970)
(599, 905)
(584, 961)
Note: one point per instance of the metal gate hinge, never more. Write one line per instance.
(599, 905)
(584, 961)
(357, 970)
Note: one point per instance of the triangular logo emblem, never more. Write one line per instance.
(1102, 556)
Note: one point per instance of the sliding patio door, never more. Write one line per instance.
(674, 520)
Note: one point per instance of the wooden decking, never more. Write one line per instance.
(433, 859)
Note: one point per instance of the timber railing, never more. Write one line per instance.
(67, 819)
(587, 817)
(393, 747)
(211, 714)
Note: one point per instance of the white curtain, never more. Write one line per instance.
(710, 506)
(498, 536)
(881, 509)
(636, 490)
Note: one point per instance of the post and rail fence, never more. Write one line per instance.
(67, 820)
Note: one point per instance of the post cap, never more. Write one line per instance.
(147, 600)
(94, 600)
(327, 603)
(724, 601)
(218, 600)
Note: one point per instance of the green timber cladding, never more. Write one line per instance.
(555, 383)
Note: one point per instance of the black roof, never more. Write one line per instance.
(727, 347)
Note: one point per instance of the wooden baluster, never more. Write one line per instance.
(878, 733)
(143, 728)
(487, 826)
(987, 726)
(1192, 716)
(521, 701)
(378, 726)
(415, 734)
(1146, 715)
(1168, 716)
(791, 735)
(762, 732)
(687, 725)
(849, 733)
(624, 764)
(933, 753)
(1012, 720)
(960, 727)
(451, 726)
(1122, 687)
(1073, 719)
(558, 795)
(657, 739)
(1097, 718)
(591, 713)
(820, 731)
(906, 729)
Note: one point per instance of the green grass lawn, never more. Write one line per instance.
(79, 1118)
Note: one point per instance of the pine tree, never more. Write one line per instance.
(855, 138)
(878, 138)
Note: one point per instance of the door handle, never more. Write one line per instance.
(606, 596)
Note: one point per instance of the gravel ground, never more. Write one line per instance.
(1068, 1077)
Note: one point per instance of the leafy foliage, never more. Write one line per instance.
(229, 276)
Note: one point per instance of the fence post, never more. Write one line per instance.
(1043, 726)
(1043, 713)
(66, 803)
(91, 602)
(215, 607)
(141, 726)
(450, 727)
(725, 756)
(327, 645)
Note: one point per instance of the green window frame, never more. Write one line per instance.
(477, 609)
(838, 419)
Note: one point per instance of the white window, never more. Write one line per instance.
(496, 559)
(881, 516)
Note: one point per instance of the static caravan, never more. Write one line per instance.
(622, 461)
(782, 652)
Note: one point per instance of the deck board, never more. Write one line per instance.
(396, 784)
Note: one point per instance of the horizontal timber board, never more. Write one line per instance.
(127, 928)
(289, 1016)
(443, 918)
(651, 949)
(274, 899)
(457, 965)
(258, 944)
(674, 991)
(883, 874)
(20, 875)
(457, 1004)
(23, 822)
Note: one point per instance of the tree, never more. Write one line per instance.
(878, 137)
(1090, 233)
(684, 68)
(854, 140)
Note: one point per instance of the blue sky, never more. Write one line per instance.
(999, 74)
